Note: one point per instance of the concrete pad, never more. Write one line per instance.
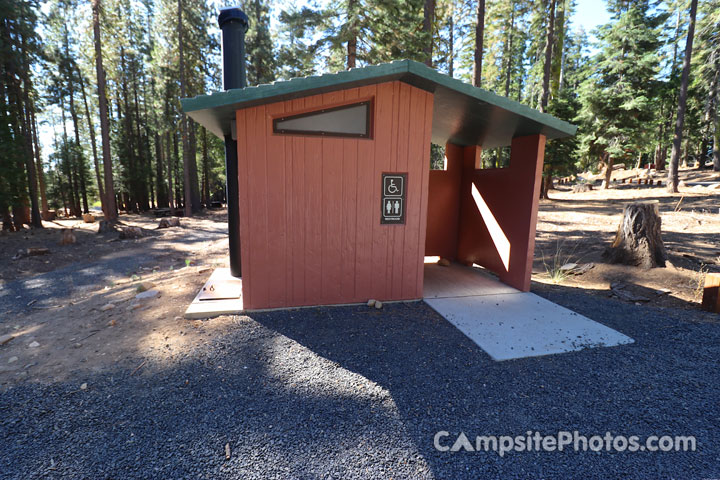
(517, 325)
(460, 281)
(228, 299)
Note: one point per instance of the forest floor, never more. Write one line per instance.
(74, 312)
(578, 227)
(78, 303)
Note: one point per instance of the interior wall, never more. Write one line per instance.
(511, 195)
(310, 206)
(444, 206)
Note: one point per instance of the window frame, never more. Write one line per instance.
(321, 133)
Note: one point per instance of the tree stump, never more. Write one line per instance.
(106, 226)
(67, 237)
(638, 240)
(582, 187)
(169, 222)
(131, 233)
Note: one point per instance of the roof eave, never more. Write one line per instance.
(215, 111)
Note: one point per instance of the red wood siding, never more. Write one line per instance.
(512, 195)
(444, 206)
(310, 206)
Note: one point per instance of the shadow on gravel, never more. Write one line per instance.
(440, 380)
(353, 392)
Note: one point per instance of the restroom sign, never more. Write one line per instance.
(393, 198)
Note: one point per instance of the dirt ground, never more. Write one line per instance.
(577, 227)
(102, 325)
(82, 334)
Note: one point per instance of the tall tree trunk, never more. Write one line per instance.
(93, 143)
(206, 170)
(710, 113)
(509, 50)
(657, 158)
(129, 133)
(682, 103)
(111, 211)
(170, 163)
(451, 42)
(27, 128)
(62, 194)
(79, 161)
(428, 21)
(559, 52)
(352, 34)
(479, 37)
(183, 122)
(160, 195)
(74, 198)
(179, 199)
(550, 40)
(35, 217)
(144, 162)
(194, 183)
(39, 166)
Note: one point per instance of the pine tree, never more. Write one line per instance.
(110, 206)
(682, 102)
(617, 113)
(258, 43)
(18, 179)
(705, 86)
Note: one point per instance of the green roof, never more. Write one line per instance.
(462, 114)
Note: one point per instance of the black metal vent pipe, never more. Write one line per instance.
(233, 23)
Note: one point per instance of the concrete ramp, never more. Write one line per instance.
(507, 323)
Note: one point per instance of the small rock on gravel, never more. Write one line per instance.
(12, 359)
(371, 302)
(378, 304)
(33, 344)
(107, 306)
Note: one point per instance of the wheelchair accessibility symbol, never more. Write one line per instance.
(393, 185)
(393, 198)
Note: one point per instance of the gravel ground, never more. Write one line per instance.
(357, 393)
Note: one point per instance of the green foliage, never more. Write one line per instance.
(18, 50)
(617, 98)
(258, 43)
(623, 93)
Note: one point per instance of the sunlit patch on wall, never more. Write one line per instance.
(502, 244)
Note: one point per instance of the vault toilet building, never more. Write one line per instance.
(337, 202)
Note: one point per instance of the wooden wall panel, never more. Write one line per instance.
(517, 218)
(365, 216)
(243, 197)
(276, 195)
(425, 172)
(444, 206)
(310, 206)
